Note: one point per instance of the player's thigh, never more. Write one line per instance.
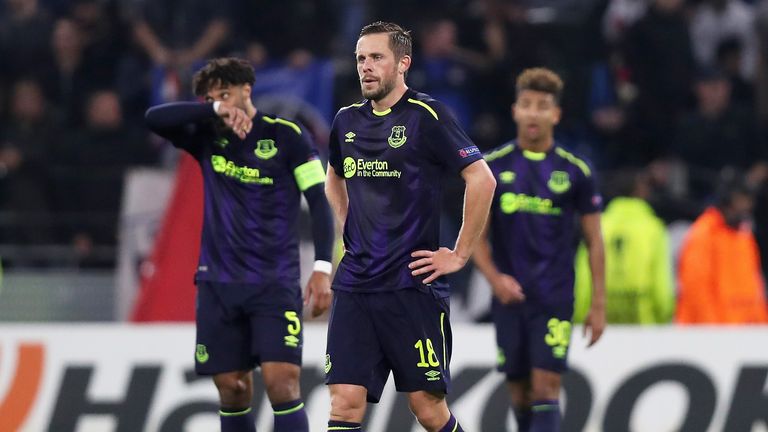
(222, 333)
(511, 340)
(415, 331)
(550, 336)
(277, 326)
(353, 354)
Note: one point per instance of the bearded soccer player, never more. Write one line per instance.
(542, 188)
(388, 156)
(249, 303)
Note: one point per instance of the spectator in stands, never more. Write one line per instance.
(729, 59)
(714, 21)
(445, 69)
(24, 150)
(25, 32)
(90, 166)
(658, 53)
(717, 134)
(307, 29)
(719, 269)
(176, 34)
(73, 73)
(638, 267)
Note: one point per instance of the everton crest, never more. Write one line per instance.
(559, 182)
(265, 149)
(397, 138)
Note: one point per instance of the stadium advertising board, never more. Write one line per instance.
(139, 378)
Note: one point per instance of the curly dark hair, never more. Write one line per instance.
(227, 71)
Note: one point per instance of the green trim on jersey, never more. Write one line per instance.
(425, 106)
(354, 105)
(534, 156)
(309, 174)
(283, 122)
(574, 160)
(381, 113)
(343, 428)
(503, 151)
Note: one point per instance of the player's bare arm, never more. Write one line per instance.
(595, 320)
(505, 287)
(336, 192)
(478, 194)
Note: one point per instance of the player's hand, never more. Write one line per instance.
(440, 262)
(318, 289)
(507, 289)
(235, 119)
(595, 322)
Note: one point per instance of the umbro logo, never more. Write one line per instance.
(350, 137)
(432, 375)
(291, 341)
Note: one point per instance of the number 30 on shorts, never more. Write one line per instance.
(430, 357)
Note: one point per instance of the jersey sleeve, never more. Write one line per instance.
(303, 158)
(588, 198)
(447, 141)
(181, 123)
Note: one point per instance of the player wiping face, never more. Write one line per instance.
(235, 108)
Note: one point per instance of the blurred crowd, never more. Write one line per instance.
(673, 90)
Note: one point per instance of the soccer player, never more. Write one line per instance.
(542, 187)
(388, 156)
(249, 308)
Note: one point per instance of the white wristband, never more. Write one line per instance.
(323, 267)
(216, 106)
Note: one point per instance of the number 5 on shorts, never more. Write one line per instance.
(294, 328)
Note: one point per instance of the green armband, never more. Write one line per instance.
(309, 174)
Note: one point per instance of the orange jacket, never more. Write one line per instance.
(719, 275)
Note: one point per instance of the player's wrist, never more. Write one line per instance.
(323, 267)
(464, 257)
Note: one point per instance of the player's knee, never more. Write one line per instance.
(431, 413)
(233, 390)
(347, 406)
(546, 390)
(429, 418)
(282, 390)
